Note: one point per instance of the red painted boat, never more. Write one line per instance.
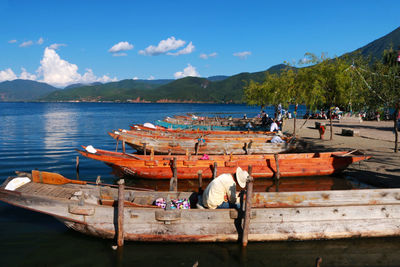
(264, 166)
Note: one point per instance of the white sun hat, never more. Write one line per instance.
(241, 177)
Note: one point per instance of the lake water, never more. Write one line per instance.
(44, 136)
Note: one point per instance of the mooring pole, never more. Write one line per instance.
(173, 184)
(116, 146)
(214, 170)
(247, 214)
(144, 149)
(277, 174)
(121, 199)
(200, 175)
(77, 167)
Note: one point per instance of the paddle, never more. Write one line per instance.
(58, 179)
(52, 178)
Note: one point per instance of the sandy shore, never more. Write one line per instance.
(376, 139)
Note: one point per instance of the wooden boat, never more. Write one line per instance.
(216, 121)
(168, 143)
(91, 210)
(188, 167)
(208, 127)
(197, 133)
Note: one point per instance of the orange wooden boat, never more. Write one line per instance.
(264, 166)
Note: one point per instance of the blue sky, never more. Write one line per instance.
(63, 42)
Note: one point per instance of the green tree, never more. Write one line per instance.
(276, 89)
(384, 89)
(326, 83)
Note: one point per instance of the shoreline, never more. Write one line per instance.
(376, 139)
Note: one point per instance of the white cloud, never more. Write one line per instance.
(121, 46)
(56, 46)
(188, 71)
(187, 50)
(55, 71)
(242, 55)
(59, 72)
(135, 78)
(40, 41)
(26, 75)
(205, 56)
(163, 47)
(7, 75)
(89, 77)
(151, 77)
(120, 54)
(12, 41)
(26, 44)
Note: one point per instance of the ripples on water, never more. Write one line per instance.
(44, 136)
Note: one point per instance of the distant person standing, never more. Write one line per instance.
(264, 119)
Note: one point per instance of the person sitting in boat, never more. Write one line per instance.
(221, 192)
(274, 126)
(277, 138)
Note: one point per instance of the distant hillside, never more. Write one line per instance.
(229, 90)
(24, 90)
(217, 78)
(375, 49)
(75, 85)
(217, 89)
(114, 91)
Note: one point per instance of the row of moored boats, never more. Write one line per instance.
(196, 150)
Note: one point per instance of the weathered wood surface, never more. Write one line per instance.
(162, 144)
(197, 132)
(288, 216)
(296, 164)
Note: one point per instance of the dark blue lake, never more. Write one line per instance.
(44, 136)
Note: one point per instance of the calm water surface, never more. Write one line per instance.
(44, 136)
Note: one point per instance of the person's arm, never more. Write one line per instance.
(232, 194)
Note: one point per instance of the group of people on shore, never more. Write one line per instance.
(274, 124)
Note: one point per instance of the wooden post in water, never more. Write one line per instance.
(196, 148)
(144, 149)
(121, 199)
(173, 183)
(116, 146)
(200, 175)
(152, 153)
(77, 167)
(214, 171)
(247, 213)
(277, 174)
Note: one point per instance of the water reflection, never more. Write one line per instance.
(60, 128)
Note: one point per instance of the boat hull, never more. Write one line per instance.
(275, 216)
(264, 166)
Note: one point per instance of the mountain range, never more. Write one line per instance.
(215, 89)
